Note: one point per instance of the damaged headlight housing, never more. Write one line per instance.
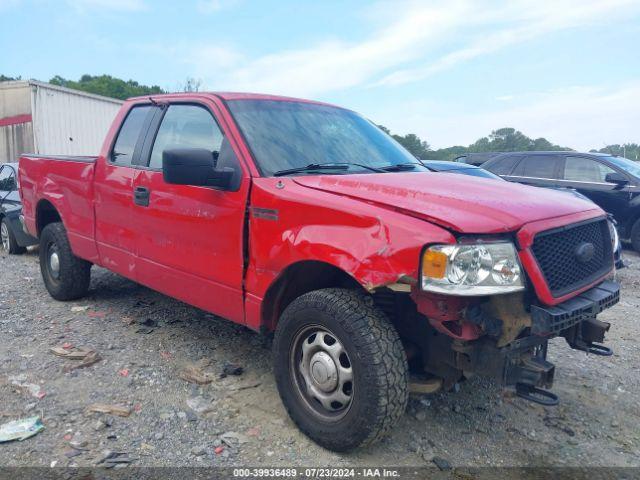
(471, 269)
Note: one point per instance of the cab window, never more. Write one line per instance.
(186, 126)
(129, 134)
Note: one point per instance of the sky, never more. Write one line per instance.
(449, 71)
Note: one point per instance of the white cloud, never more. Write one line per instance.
(337, 64)
(581, 117)
(526, 20)
(413, 34)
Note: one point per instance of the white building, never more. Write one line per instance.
(41, 118)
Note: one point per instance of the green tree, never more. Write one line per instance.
(4, 78)
(107, 86)
(628, 150)
(412, 142)
(509, 139)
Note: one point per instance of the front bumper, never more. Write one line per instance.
(523, 361)
(547, 321)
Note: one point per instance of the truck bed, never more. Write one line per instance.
(64, 183)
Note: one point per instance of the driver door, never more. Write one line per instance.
(190, 238)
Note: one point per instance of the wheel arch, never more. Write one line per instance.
(46, 213)
(297, 279)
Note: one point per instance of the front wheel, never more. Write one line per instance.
(9, 242)
(340, 368)
(66, 276)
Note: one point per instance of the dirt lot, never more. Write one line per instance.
(144, 339)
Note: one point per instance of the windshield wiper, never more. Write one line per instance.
(401, 167)
(324, 166)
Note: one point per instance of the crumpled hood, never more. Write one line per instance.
(461, 203)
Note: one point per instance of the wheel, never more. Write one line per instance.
(635, 236)
(66, 276)
(340, 368)
(9, 242)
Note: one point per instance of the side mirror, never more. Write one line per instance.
(194, 166)
(617, 178)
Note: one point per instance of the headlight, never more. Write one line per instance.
(475, 269)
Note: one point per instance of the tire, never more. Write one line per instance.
(9, 242)
(375, 365)
(70, 280)
(635, 236)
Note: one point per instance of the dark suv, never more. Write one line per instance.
(611, 182)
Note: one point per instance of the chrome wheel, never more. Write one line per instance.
(4, 233)
(323, 372)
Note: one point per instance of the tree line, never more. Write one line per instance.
(505, 139)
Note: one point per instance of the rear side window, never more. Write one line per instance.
(502, 166)
(580, 169)
(186, 126)
(129, 134)
(538, 166)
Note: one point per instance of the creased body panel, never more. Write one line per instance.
(458, 202)
(290, 223)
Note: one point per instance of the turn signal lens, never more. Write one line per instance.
(434, 264)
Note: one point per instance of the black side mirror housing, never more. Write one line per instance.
(194, 166)
(617, 178)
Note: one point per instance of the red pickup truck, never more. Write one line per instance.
(305, 220)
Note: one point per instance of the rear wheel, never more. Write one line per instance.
(635, 236)
(9, 242)
(66, 276)
(340, 368)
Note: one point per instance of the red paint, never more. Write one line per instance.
(190, 242)
(15, 120)
(446, 314)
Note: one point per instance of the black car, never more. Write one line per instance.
(462, 168)
(611, 182)
(14, 238)
(476, 159)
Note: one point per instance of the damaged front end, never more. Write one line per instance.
(504, 337)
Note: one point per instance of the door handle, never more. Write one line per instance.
(141, 196)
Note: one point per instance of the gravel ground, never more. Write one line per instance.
(145, 339)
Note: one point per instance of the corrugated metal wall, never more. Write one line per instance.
(67, 122)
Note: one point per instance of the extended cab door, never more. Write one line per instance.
(190, 239)
(114, 175)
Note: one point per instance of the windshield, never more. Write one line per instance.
(285, 135)
(625, 164)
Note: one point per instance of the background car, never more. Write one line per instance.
(476, 159)
(462, 168)
(611, 182)
(14, 238)
(465, 169)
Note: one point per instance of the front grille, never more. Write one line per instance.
(556, 252)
